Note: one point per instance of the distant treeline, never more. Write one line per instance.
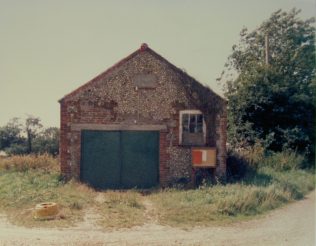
(28, 137)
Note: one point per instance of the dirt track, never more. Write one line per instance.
(290, 225)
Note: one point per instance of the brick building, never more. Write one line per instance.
(135, 124)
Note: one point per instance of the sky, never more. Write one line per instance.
(49, 48)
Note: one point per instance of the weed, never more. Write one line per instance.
(29, 180)
(76, 205)
(121, 209)
(262, 190)
(29, 162)
(284, 161)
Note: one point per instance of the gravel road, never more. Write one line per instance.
(293, 224)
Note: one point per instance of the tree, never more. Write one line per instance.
(11, 135)
(47, 141)
(271, 84)
(16, 138)
(32, 127)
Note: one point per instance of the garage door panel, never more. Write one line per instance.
(100, 159)
(139, 151)
(119, 159)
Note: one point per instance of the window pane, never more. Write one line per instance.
(199, 123)
(192, 123)
(199, 128)
(185, 122)
(199, 119)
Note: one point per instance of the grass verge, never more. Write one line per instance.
(26, 181)
(21, 191)
(216, 204)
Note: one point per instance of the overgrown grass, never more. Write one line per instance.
(270, 182)
(283, 161)
(28, 180)
(262, 192)
(22, 163)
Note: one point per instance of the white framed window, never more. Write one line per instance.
(192, 128)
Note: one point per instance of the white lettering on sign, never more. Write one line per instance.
(204, 155)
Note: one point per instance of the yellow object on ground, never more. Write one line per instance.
(46, 210)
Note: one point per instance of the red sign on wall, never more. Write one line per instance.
(204, 157)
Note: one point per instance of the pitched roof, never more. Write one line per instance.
(143, 47)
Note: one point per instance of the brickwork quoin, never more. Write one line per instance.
(143, 92)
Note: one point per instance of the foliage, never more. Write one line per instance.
(18, 139)
(251, 159)
(47, 141)
(237, 166)
(32, 127)
(284, 161)
(273, 101)
(17, 149)
(10, 134)
(245, 160)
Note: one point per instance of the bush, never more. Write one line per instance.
(47, 142)
(256, 157)
(16, 149)
(284, 161)
(237, 166)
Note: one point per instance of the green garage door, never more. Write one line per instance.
(119, 159)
